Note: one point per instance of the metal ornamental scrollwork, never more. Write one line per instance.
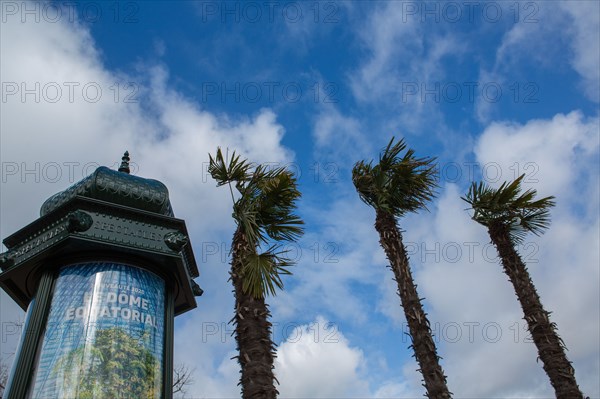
(176, 240)
(6, 260)
(78, 221)
(196, 288)
(116, 187)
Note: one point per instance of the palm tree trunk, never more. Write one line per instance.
(550, 347)
(252, 332)
(390, 239)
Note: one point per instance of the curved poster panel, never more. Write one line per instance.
(104, 335)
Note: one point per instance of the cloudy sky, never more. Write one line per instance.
(492, 89)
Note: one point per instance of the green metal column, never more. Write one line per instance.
(169, 335)
(30, 338)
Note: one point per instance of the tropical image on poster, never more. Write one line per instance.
(104, 336)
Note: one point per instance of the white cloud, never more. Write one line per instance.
(548, 36)
(339, 137)
(213, 379)
(383, 38)
(585, 44)
(565, 152)
(554, 154)
(168, 135)
(394, 390)
(389, 302)
(403, 60)
(317, 361)
(534, 37)
(472, 306)
(333, 263)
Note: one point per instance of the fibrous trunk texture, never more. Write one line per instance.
(256, 350)
(390, 239)
(550, 347)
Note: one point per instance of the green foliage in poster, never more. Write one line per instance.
(115, 366)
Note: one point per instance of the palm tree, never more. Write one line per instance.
(394, 187)
(509, 216)
(264, 215)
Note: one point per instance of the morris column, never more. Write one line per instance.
(102, 274)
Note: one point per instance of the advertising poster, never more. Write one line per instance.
(104, 336)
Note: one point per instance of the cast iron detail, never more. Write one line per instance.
(196, 288)
(117, 187)
(175, 240)
(79, 221)
(125, 163)
(109, 212)
(6, 260)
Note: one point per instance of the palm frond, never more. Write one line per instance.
(261, 273)
(246, 219)
(228, 169)
(389, 156)
(280, 194)
(264, 212)
(508, 206)
(270, 196)
(397, 184)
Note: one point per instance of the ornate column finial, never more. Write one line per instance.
(125, 163)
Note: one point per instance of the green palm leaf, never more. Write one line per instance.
(264, 212)
(228, 169)
(509, 207)
(397, 184)
(262, 272)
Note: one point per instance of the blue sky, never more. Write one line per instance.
(492, 89)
